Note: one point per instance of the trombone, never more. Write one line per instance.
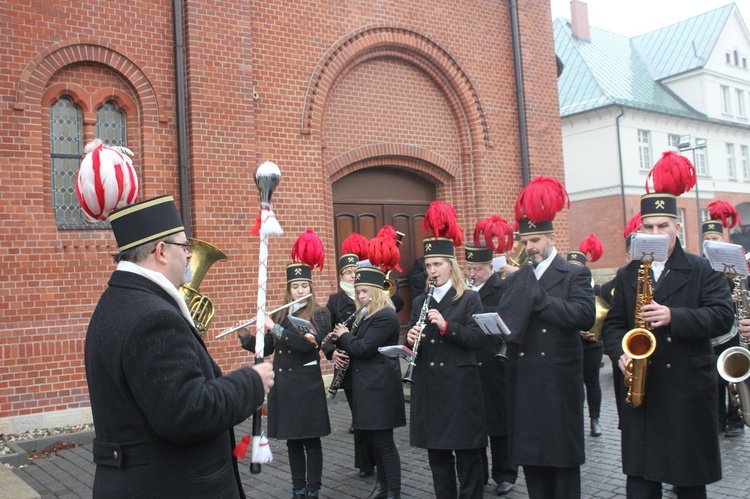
(252, 321)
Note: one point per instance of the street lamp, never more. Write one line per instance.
(683, 144)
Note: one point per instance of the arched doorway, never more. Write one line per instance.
(368, 199)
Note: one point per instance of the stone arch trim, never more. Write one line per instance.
(45, 64)
(397, 42)
(418, 160)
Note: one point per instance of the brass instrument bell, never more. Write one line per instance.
(201, 307)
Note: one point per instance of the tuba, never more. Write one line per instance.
(602, 308)
(201, 307)
(518, 257)
(734, 363)
(639, 343)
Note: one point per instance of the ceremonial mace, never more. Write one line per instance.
(267, 176)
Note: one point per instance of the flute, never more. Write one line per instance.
(252, 321)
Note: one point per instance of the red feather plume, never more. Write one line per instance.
(441, 221)
(634, 225)
(728, 214)
(592, 247)
(673, 174)
(491, 228)
(355, 243)
(308, 249)
(541, 200)
(387, 231)
(384, 253)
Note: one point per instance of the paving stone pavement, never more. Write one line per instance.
(71, 473)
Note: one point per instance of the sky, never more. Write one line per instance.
(635, 17)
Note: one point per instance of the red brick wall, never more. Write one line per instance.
(340, 86)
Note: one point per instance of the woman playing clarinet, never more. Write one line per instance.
(447, 408)
(377, 393)
(297, 410)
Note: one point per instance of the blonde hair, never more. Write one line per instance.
(379, 300)
(458, 278)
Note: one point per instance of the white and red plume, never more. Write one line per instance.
(492, 228)
(356, 244)
(541, 200)
(308, 249)
(672, 174)
(441, 221)
(592, 247)
(383, 249)
(106, 180)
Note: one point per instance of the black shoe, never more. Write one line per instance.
(734, 431)
(393, 494)
(504, 488)
(596, 429)
(351, 429)
(312, 493)
(299, 493)
(379, 492)
(365, 472)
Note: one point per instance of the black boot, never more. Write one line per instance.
(596, 429)
(379, 492)
(312, 493)
(393, 494)
(299, 493)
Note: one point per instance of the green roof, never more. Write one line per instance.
(613, 69)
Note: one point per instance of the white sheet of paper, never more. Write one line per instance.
(649, 247)
(499, 262)
(491, 324)
(397, 351)
(727, 258)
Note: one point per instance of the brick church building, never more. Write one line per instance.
(370, 109)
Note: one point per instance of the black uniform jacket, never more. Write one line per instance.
(447, 408)
(492, 368)
(341, 308)
(164, 414)
(297, 406)
(544, 370)
(377, 392)
(673, 436)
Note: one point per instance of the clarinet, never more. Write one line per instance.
(421, 323)
(340, 372)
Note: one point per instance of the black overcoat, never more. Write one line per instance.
(377, 392)
(164, 414)
(447, 408)
(492, 368)
(341, 308)
(673, 436)
(544, 371)
(297, 406)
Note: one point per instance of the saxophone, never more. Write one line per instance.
(340, 372)
(421, 323)
(734, 363)
(639, 343)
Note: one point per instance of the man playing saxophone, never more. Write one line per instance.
(672, 437)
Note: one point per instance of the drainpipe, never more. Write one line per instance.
(622, 173)
(182, 154)
(520, 98)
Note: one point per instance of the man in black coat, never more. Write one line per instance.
(483, 279)
(163, 412)
(545, 304)
(672, 437)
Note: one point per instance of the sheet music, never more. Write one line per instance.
(649, 247)
(303, 326)
(727, 258)
(492, 324)
(499, 262)
(397, 351)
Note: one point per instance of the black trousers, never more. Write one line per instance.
(502, 469)
(728, 412)
(546, 482)
(306, 457)
(592, 360)
(364, 455)
(386, 458)
(466, 463)
(639, 488)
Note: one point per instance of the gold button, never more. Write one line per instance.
(441, 342)
(281, 370)
(669, 339)
(424, 336)
(289, 351)
(281, 351)
(432, 364)
(480, 364)
(115, 455)
(521, 354)
(290, 369)
(669, 366)
(543, 354)
(544, 331)
(432, 341)
(453, 333)
(442, 365)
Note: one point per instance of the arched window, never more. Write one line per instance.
(110, 125)
(65, 145)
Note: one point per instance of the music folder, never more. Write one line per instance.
(727, 258)
(492, 324)
(303, 326)
(397, 351)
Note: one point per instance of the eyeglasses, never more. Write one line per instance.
(186, 247)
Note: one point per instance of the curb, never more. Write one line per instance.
(21, 448)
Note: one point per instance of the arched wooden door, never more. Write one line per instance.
(368, 199)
